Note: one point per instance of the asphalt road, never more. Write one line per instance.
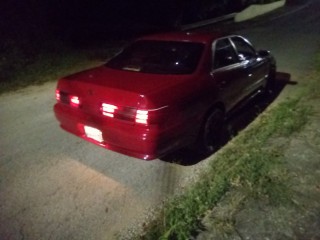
(56, 186)
(292, 34)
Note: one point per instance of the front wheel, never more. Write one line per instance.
(211, 134)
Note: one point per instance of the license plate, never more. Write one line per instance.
(93, 133)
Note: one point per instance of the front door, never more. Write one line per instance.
(255, 66)
(228, 73)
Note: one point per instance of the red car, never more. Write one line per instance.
(163, 92)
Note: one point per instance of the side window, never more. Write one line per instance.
(224, 54)
(245, 50)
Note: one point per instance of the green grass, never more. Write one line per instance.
(43, 69)
(251, 164)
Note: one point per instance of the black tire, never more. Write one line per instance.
(211, 135)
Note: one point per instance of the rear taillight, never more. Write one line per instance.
(108, 110)
(72, 100)
(142, 116)
(129, 114)
(58, 95)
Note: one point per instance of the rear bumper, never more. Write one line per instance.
(127, 138)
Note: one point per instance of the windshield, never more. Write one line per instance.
(159, 57)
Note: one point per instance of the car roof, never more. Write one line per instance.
(201, 37)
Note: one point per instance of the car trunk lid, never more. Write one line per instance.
(118, 93)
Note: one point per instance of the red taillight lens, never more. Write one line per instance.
(130, 114)
(108, 109)
(142, 116)
(58, 95)
(72, 100)
(125, 113)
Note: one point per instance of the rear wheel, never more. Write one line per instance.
(211, 135)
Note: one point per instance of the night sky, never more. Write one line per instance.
(36, 18)
(63, 19)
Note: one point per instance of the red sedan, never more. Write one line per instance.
(163, 92)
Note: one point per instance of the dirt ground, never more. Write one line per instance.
(300, 219)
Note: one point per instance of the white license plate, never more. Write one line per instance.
(93, 133)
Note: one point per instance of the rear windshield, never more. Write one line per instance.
(159, 57)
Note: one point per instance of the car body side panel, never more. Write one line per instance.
(231, 83)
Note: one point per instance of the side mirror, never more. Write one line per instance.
(264, 53)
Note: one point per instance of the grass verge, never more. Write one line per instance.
(251, 163)
(22, 65)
